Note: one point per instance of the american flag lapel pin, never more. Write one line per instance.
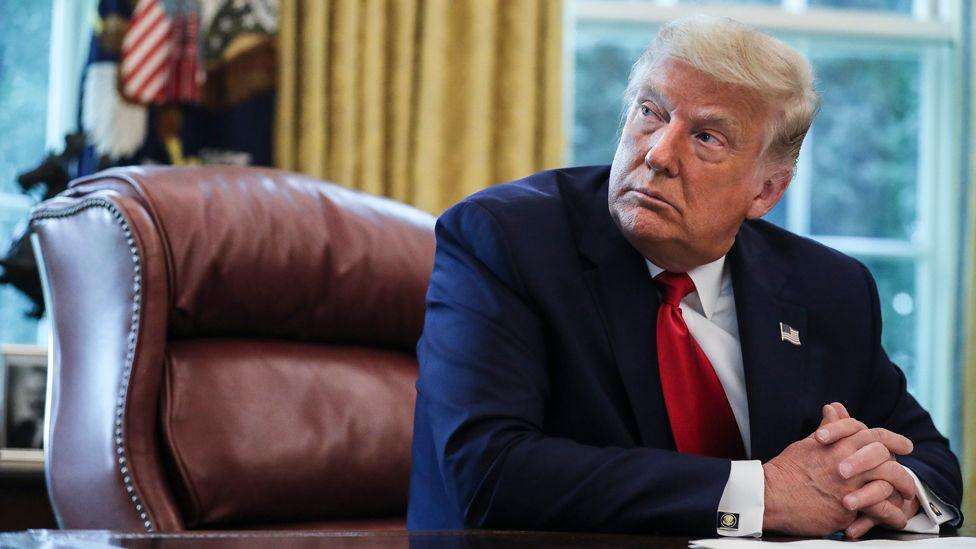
(788, 333)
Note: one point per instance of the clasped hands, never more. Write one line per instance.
(842, 477)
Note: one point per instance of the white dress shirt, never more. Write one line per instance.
(710, 315)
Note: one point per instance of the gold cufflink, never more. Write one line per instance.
(728, 521)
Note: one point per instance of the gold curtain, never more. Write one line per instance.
(424, 101)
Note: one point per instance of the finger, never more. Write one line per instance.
(910, 507)
(897, 444)
(840, 409)
(887, 513)
(870, 494)
(829, 415)
(839, 429)
(894, 474)
(860, 526)
(865, 459)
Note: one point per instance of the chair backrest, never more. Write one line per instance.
(230, 346)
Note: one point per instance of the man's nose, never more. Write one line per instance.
(661, 153)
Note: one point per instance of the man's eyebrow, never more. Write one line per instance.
(718, 119)
(652, 93)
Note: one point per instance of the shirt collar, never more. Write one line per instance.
(708, 284)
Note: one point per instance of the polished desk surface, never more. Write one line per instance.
(95, 539)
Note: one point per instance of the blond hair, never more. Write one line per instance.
(734, 53)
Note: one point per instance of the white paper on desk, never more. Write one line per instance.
(742, 543)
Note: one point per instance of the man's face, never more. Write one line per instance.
(689, 167)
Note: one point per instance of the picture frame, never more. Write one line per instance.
(23, 395)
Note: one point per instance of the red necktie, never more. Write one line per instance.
(700, 415)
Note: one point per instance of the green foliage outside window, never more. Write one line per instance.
(24, 52)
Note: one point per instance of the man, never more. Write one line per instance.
(630, 349)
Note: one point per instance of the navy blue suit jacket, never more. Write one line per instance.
(539, 404)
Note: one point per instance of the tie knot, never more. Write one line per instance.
(674, 286)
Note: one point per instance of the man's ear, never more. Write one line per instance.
(774, 184)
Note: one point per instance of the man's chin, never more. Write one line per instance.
(644, 227)
(653, 216)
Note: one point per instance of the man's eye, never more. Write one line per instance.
(645, 110)
(707, 138)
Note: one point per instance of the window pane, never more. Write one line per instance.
(777, 215)
(24, 49)
(604, 55)
(896, 291)
(899, 6)
(15, 326)
(865, 147)
(24, 52)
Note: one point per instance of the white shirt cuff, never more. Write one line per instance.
(932, 511)
(740, 511)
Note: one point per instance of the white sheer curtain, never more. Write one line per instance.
(71, 29)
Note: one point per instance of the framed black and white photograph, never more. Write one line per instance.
(23, 389)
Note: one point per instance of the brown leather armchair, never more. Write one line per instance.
(231, 347)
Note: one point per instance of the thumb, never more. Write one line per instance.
(829, 415)
(841, 411)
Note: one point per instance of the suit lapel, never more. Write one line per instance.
(627, 301)
(775, 370)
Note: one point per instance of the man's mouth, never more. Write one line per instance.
(653, 197)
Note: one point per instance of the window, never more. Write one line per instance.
(878, 177)
(43, 46)
(24, 53)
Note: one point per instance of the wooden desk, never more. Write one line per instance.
(92, 539)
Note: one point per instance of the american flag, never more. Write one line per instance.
(787, 333)
(145, 65)
(183, 85)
